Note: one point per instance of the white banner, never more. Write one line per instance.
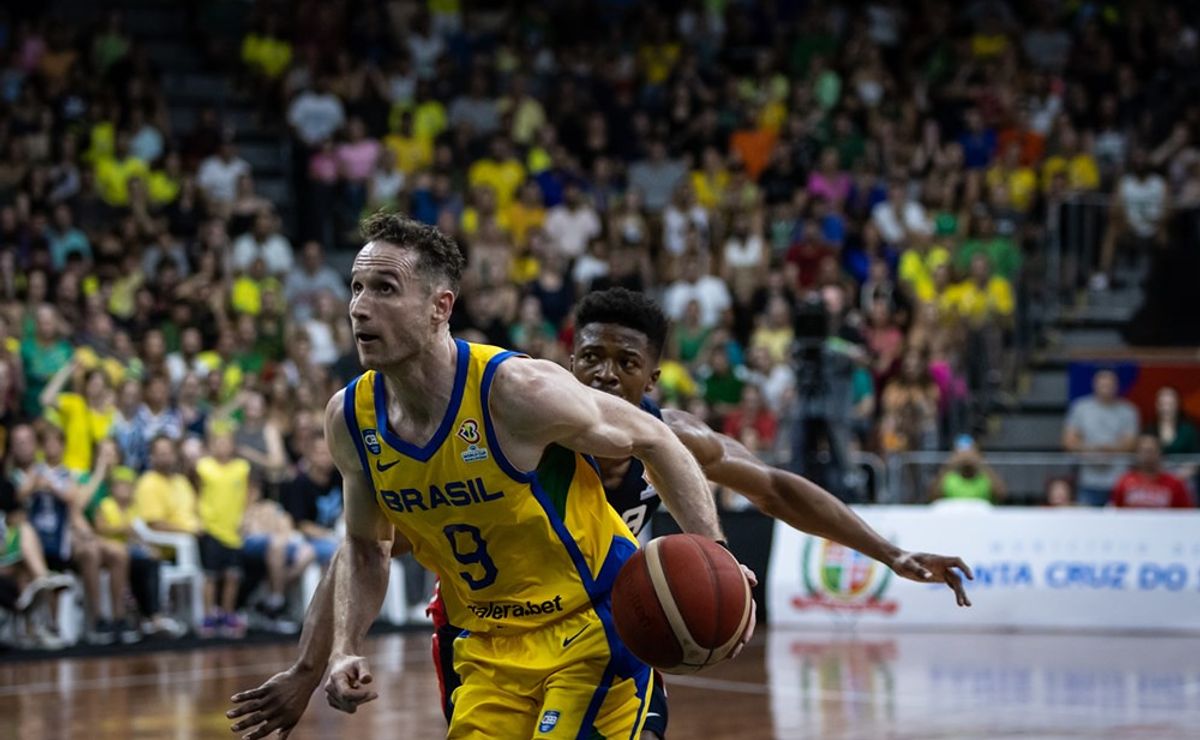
(1034, 568)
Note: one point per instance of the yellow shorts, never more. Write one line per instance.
(571, 679)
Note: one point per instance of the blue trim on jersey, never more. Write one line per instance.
(485, 387)
(349, 410)
(595, 465)
(643, 684)
(650, 407)
(422, 454)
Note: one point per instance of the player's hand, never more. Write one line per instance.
(928, 568)
(749, 633)
(275, 705)
(349, 682)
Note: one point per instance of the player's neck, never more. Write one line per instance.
(421, 388)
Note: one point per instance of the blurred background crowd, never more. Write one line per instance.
(841, 208)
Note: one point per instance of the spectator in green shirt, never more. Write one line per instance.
(1001, 251)
(722, 386)
(42, 356)
(967, 476)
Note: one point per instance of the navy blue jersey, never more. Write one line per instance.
(634, 498)
(48, 514)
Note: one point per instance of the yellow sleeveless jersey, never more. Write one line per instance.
(514, 550)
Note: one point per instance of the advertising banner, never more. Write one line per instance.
(1034, 568)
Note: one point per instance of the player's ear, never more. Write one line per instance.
(653, 379)
(443, 305)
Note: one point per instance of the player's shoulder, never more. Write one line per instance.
(523, 378)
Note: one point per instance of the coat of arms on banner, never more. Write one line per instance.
(837, 578)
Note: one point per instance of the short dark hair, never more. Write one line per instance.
(625, 308)
(439, 257)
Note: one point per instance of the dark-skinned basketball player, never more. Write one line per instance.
(618, 343)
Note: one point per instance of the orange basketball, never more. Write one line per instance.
(682, 603)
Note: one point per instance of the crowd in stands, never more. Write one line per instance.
(167, 340)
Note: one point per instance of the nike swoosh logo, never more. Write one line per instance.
(567, 641)
(382, 468)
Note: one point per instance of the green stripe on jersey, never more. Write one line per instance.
(555, 473)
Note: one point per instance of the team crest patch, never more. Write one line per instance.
(549, 720)
(371, 440)
(469, 431)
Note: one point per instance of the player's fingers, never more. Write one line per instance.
(249, 695)
(958, 563)
(247, 723)
(753, 622)
(954, 581)
(275, 723)
(253, 721)
(267, 715)
(348, 699)
(246, 707)
(750, 576)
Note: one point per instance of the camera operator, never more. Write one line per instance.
(824, 354)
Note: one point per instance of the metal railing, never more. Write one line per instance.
(1075, 229)
(1024, 473)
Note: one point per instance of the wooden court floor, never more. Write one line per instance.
(786, 685)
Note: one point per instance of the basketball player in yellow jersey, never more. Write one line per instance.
(477, 458)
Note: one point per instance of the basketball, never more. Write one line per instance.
(681, 603)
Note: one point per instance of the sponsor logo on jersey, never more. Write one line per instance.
(516, 610)
(475, 453)
(468, 431)
(568, 640)
(453, 493)
(840, 579)
(371, 440)
(648, 492)
(549, 720)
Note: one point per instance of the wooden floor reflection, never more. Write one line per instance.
(786, 685)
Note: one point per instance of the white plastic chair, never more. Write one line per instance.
(185, 571)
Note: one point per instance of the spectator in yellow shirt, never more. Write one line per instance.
(710, 182)
(113, 172)
(114, 521)
(918, 264)
(524, 110)
(501, 171)
(412, 152)
(224, 485)
(86, 418)
(265, 52)
(1074, 159)
(1021, 181)
(163, 497)
(984, 302)
(428, 115)
(482, 212)
(983, 298)
(526, 213)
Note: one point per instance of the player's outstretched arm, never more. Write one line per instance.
(804, 505)
(282, 699)
(538, 403)
(361, 574)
